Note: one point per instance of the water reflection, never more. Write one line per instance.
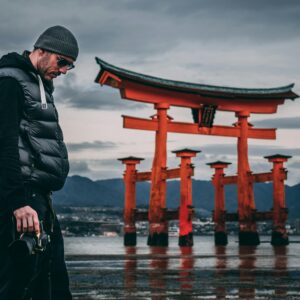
(280, 266)
(259, 275)
(130, 271)
(160, 278)
(220, 252)
(247, 275)
(244, 272)
(187, 262)
(158, 268)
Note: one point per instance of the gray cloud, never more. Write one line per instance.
(254, 150)
(73, 95)
(147, 27)
(283, 123)
(96, 168)
(104, 163)
(162, 22)
(79, 167)
(249, 36)
(295, 165)
(96, 145)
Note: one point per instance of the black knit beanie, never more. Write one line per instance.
(60, 40)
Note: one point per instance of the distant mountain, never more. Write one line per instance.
(81, 191)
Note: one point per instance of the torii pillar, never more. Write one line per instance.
(186, 208)
(130, 199)
(248, 234)
(279, 233)
(219, 213)
(158, 225)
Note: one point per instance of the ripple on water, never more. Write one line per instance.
(101, 268)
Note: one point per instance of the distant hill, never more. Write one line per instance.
(81, 191)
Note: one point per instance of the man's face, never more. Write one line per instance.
(49, 65)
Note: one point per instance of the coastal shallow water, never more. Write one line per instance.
(102, 268)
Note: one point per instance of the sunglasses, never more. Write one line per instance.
(62, 62)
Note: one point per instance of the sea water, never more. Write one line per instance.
(102, 268)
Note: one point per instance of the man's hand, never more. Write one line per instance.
(27, 220)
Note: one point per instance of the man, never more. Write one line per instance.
(33, 163)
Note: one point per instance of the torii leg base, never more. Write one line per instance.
(221, 238)
(279, 239)
(186, 240)
(130, 239)
(158, 239)
(248, 238)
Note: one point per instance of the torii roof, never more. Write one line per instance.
(186, 150)
(159, 91)
(218, 162)
(278, 156)
(194, 88)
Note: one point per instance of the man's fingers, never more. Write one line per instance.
(36, 224)
(24, 224)
(27, 219)
(19, 225)
(30, 224)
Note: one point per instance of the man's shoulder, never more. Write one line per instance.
(8, 82)
(12, 77)
(14, 72)
(10, 88)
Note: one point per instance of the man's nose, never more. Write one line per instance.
(63, 70)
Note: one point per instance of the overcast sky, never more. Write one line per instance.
(220, 42)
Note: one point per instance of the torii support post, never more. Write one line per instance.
(248, 234)
(279, 233)
(158, 225)
(219, 213)
(130, 199)
(186, 208)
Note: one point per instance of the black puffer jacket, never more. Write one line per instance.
(42, 152)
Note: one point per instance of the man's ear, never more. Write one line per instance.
(40, 52)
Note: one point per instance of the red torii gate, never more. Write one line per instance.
(206, 100)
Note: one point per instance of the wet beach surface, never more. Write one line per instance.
(102, 268)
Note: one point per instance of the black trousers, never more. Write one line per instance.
(29, 279)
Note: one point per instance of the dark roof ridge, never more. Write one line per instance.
(194, 87)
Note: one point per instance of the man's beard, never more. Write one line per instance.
(43, 67)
